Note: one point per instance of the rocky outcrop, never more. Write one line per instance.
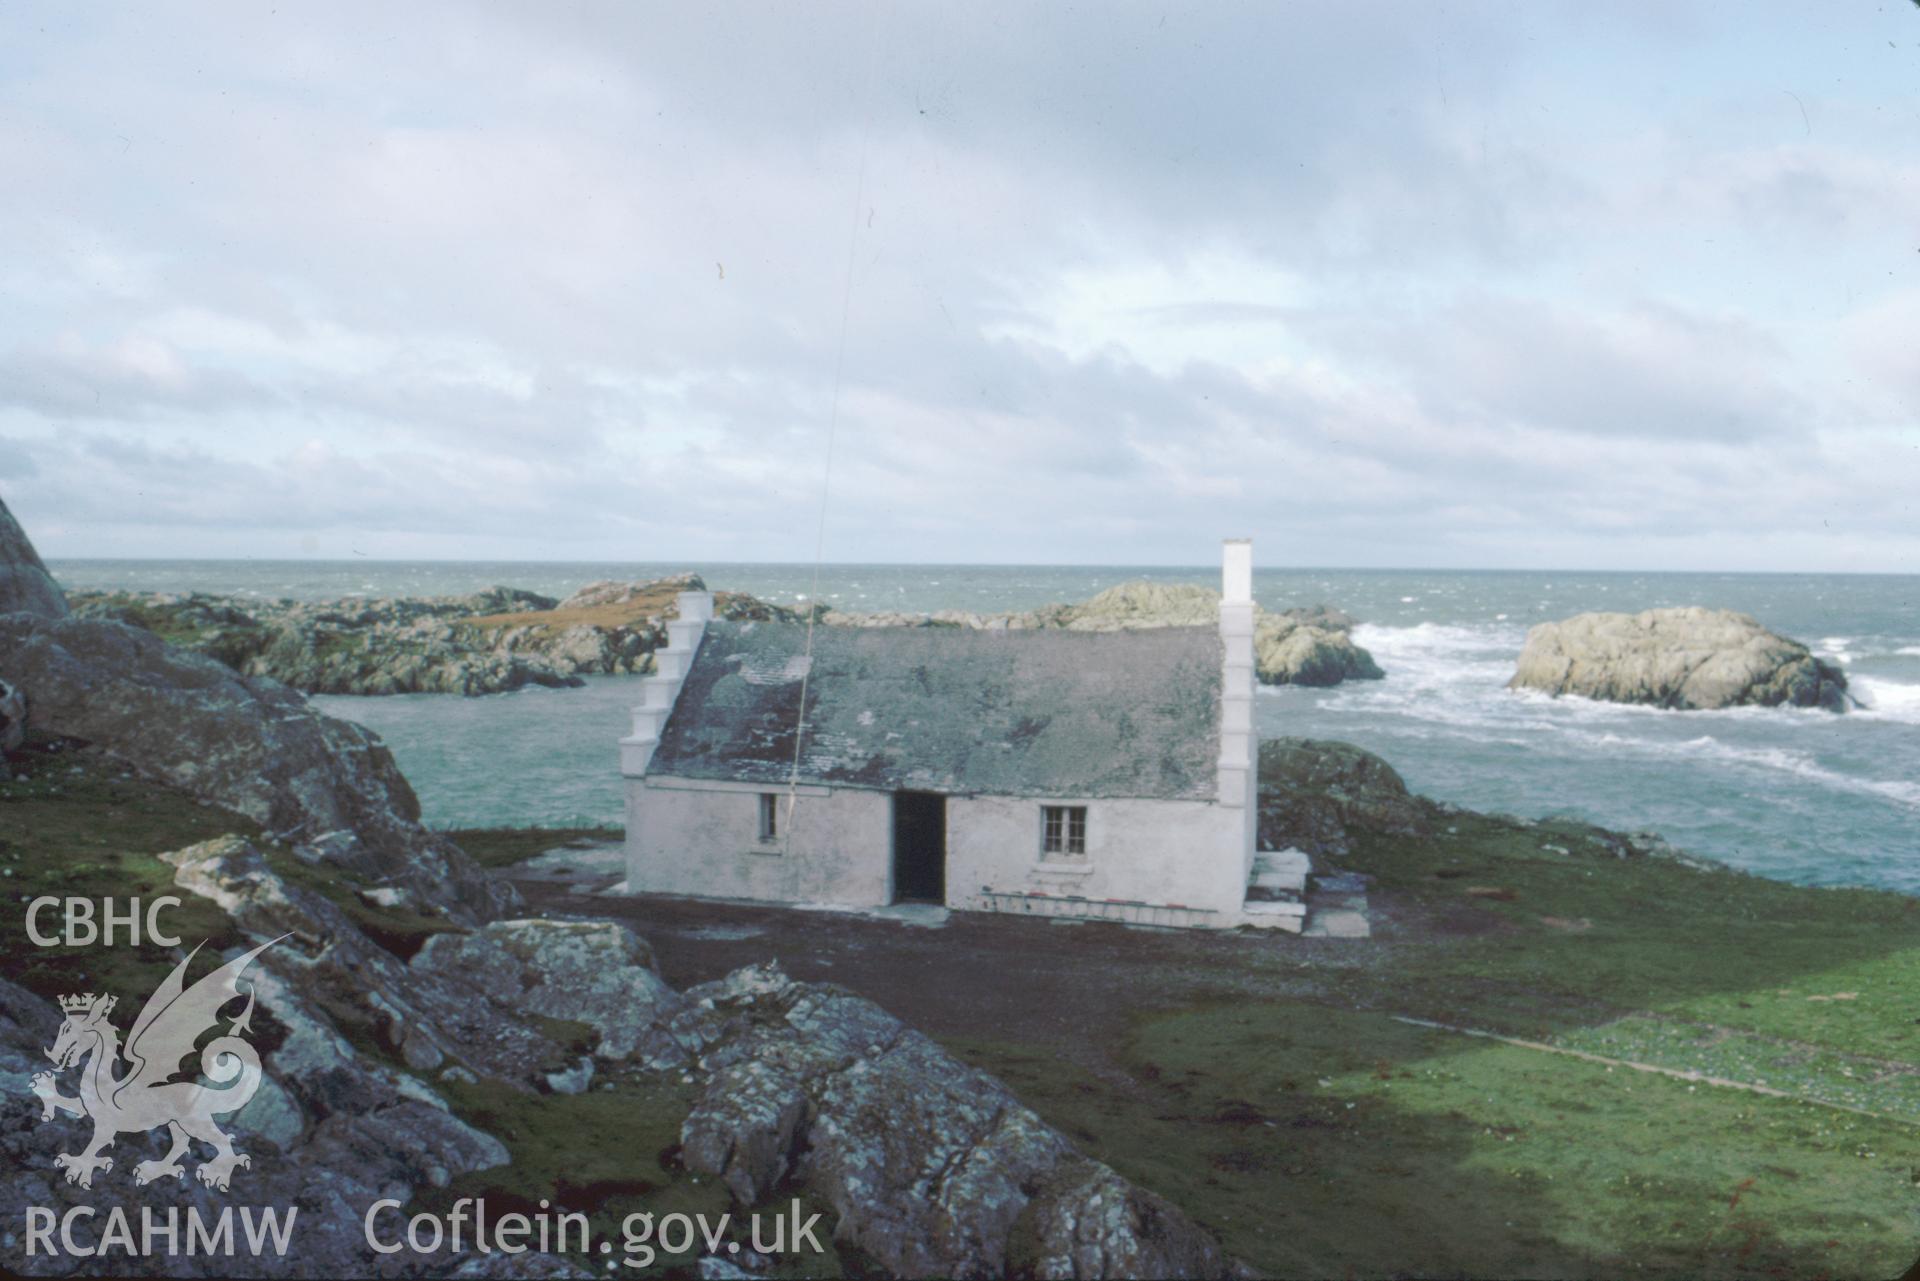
(1293, 647)
(1686, 659)
(1314, 793)
(487, 642)
(254, 746)
(25, 585)
(933, 1168)
(361, 1132)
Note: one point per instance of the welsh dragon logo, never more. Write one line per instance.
(144, 1096)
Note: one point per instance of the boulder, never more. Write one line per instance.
(595, 972)
(933, 1168)
(1314, 794)
(1289, 651)
(25, 585)
(251, 745)
(1685, 659)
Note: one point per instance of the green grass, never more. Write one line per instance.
(505, 846)
(1326, 1142)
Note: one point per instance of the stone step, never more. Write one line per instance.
(1339, 923)
(1288, 860)
(1277, 885)
(1278, 875)
(1290, 917)
(1337, 907)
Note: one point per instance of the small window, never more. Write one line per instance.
(769, 816)
(1063, 829)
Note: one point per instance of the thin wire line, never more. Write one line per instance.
(833, 423)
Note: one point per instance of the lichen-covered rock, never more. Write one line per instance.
(25, 585)
(596, 972)
(933, 1168)
(1086, 1221)
(1315, 793)
(252, 746)
(1685, 659)
(747, 1131)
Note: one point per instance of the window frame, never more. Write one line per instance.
(1063, 832)
(769, 815)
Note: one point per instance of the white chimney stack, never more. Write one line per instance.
(1239, 745)
(1236, 571)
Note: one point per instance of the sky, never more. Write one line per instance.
(1571, 286)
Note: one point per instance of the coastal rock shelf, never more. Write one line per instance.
(1685, 659)
(487, 642)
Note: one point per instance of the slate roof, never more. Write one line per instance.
(1009, 713)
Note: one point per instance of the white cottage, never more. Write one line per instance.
(1106, 775)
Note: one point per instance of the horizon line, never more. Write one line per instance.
(932, 564)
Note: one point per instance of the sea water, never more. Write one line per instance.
(1802, 795)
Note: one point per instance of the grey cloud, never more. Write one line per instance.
(135, 380)
(1644, 371)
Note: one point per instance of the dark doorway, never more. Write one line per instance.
(919, 847)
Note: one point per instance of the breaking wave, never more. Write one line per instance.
(1887, 699)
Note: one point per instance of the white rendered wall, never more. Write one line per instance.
(686, 837)
(1167, 853)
